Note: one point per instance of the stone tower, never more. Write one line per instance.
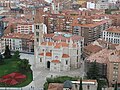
(39, 30)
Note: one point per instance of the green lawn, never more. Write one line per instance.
(11, 66)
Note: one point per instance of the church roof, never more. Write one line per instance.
(55, 61)
(65, 56)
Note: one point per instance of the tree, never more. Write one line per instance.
(24, 65)
(11, 29)
(1, 59)
(80, 87)
(16, 55)
(7, 53)
(116, 86)
(93, 72)
(108, 11)
(1, 56)
(99, 85)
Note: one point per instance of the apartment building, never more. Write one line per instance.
(112, 35)
(20, 42)
(102, 4)
(25, 28)
(63, 22)
(100, 58)
(58, 51)
(7, 3)
(108, 61)
(85, 12)
(2, 45)
(58, 23)
(113, 68)
(1, 25)
(90, 29)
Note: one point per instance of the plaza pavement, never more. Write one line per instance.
(40, 74)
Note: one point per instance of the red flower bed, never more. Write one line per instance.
(13, 78)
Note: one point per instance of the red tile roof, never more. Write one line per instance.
(55, 86)
(19, 36)
(65, 56)
(55, 61)
(42, 54)
(49, 35)
(114, 29)
(92, 48)
(49, 54)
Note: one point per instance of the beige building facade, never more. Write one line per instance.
(58, 51)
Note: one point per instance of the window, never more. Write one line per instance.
(77, 52)
(37, 27)
(115, 64)
(37, 33)
(40, 59)
(115, 68)
(77, 58)
(66, 62)
(37, 40)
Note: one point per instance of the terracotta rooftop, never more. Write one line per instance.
(65, 56)
(41, 54)
(38, 16)
(47, 43)
(49, 35)
(101, 56)
(114, 29)
(58, 44)
(114, 57)
(55, 86)
(55, 61)
(48, 54)
(19, 36)
(92, 48)
(75, 23)
(61, 44)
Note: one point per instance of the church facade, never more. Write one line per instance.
(57, 51)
